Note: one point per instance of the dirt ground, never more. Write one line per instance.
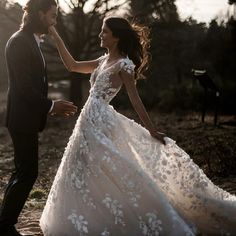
(212, 148)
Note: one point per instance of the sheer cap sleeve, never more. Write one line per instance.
(127, 65)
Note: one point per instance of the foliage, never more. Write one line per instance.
(148, 11)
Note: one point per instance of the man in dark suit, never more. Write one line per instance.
(28, 106)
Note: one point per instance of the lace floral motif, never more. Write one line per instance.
(127, 66)
(102, 86)
(132, 189)
(80, 224)
(103, 89)
(109, 161)
(152, 226)
(115, 209)
(105, 233)
(77, 177)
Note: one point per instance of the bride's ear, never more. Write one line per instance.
(117, 40)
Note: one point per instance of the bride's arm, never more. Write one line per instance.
(137, 103)
(70, 63)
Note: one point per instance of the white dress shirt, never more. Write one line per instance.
(40, 40)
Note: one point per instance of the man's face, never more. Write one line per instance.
(49, 18)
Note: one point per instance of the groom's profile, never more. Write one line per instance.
(27, 106)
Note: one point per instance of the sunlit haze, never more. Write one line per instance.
(204, 10)
(201, 10)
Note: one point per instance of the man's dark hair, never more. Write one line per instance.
(30, 20)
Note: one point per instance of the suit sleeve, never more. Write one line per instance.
(18, 57)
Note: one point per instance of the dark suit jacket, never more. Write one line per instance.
(27, 105)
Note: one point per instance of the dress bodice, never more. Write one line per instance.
(102, 86)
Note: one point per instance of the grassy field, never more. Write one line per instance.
(212, 148)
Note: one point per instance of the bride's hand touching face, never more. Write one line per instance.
(48, 18)
(52, 30)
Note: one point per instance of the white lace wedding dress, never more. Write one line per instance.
(115, 179)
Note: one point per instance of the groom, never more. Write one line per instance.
(27, 106)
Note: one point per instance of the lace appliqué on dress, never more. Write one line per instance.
(115, 209)
(127, 65)
(80, 224)
(151, 226)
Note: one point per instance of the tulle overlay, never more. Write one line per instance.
(115, 179)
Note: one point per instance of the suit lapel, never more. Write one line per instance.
(36, 50)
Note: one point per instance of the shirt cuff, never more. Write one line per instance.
(51, 107)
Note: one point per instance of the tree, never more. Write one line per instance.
(154, 10)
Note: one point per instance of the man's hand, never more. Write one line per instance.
(63, 108)
(159, 136)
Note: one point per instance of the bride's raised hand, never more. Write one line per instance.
(158, 135)
(52, 30)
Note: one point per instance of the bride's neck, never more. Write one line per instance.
(113, 54)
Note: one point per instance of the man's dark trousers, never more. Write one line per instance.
(22, 179)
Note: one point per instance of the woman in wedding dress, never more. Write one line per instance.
(118, 178)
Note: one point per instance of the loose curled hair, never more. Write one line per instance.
(30, 20)
(133, 42)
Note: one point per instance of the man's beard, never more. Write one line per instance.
(43, 29)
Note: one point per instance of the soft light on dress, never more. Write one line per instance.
(115, 179)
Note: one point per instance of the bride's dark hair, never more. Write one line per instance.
(133, 42)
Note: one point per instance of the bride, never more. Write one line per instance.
(118, 178)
